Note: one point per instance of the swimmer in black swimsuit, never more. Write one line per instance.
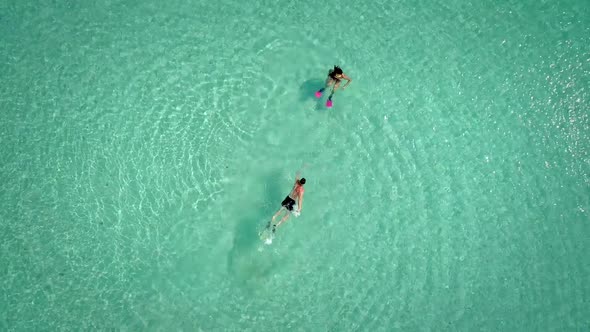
(334, 78)
(294, 197)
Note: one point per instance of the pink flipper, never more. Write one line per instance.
(318, 94)
(329, 103)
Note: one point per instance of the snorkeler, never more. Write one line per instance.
(294, 197)
(335, 76)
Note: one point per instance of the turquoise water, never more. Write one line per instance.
(145, 144)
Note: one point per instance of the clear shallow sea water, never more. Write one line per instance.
(145, 143)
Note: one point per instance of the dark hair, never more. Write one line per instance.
(336, 71)
(302, 181)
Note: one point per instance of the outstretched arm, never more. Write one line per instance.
(348, 80)
(298, 173)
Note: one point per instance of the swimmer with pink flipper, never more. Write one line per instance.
(335, 76)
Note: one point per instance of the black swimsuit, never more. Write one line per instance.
(288, 203)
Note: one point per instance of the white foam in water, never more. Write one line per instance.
(295, 212)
